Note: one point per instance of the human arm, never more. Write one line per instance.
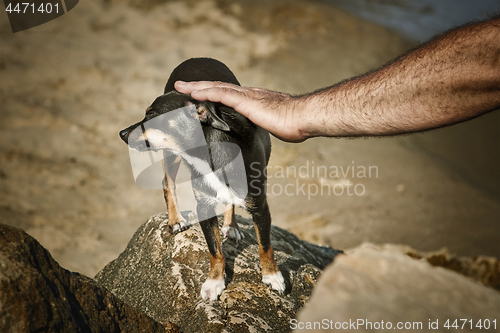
(450, 79)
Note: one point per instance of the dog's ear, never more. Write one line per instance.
(208, 115)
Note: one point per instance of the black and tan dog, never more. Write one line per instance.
(222, 125)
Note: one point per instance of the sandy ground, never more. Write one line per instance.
(67, 87)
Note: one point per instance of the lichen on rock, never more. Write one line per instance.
(162, 274)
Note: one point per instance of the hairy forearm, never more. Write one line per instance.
(448, 80)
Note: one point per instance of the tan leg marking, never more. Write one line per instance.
(217, 264)
(229, 217)
(230, 229)
(174, 216)
(267, 263)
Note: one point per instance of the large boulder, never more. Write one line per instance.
(38, 295)
(377, 288)
(162, 275)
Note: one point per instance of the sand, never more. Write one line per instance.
(67, 88)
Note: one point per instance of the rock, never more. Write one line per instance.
(38, 295)
(385, 286)
(162, 276)
(483, 269)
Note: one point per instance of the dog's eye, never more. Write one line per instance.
(150, 113)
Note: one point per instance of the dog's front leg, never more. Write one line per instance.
(214, 285)
(230, 228)
(271, 274)
(176, 222)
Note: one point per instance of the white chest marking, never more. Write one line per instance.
(224, 194)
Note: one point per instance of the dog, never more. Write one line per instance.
(221, 127)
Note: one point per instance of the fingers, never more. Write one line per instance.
(189, 87)
(219, 92)
(270, 110)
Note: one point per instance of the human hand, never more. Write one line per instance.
(276, 112)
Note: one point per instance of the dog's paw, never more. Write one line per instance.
(211, 289)
(276, 281)
(232, 233)
(178, 227)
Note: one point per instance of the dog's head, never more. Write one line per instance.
(174, 121)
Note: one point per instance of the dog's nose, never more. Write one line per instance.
(124, 135)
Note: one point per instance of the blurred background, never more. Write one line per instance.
(67, 87)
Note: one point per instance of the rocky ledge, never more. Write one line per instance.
(154, 285)
(162, 275)
(38, 295)
(388, 287)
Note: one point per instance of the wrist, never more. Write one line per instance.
(302, 111)
(317, 115)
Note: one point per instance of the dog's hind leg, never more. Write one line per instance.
(176, 222)
(230, 228)
(271, 274)
(214, 285)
